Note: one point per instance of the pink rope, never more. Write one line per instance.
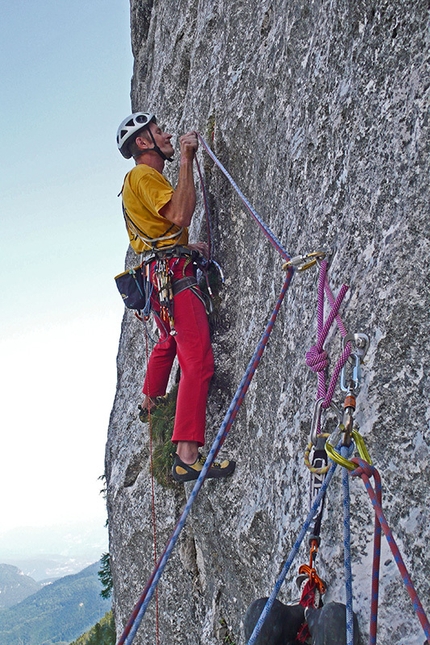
(316, 357)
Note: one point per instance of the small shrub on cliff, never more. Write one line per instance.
(162, 420)
(103, 633)
(105, 576)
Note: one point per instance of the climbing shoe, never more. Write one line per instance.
(183, 472)
(144, 412)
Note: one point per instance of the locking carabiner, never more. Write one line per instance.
(359, 351)
(343, 461)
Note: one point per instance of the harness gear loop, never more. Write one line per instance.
(303, 262)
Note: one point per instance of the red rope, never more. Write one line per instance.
(308, 599)
(366, 471)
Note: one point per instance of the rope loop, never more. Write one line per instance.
(364, 468)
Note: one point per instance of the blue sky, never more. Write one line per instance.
(65, 70)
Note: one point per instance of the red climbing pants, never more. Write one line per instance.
(193, 348)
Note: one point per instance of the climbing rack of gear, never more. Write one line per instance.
(163, 278)
(324, 452)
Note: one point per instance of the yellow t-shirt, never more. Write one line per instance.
(144, 193)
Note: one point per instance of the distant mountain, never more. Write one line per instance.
(15, 586)
(45, 569)
(51, 552)
(58, 613)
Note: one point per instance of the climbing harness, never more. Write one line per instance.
(143, 279)
(139, 610)
(354, 347)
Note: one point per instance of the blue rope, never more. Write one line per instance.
(292, 555)
(142, 604)
(345, 452)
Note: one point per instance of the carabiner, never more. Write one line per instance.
(309, 571)
(316, 419)
(343, 461)
(361, 345)
(303, 262)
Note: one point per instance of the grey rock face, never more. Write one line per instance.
(319, 110)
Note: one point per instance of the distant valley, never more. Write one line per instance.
(32, 612)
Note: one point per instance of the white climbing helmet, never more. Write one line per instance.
(131, 126)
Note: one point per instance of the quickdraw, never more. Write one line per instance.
(303, 262)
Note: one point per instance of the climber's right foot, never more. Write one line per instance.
(183, 472)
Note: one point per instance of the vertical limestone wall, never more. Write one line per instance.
(319, 110)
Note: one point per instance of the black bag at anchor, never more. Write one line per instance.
(131, 286)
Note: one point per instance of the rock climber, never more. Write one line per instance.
(157, 219)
